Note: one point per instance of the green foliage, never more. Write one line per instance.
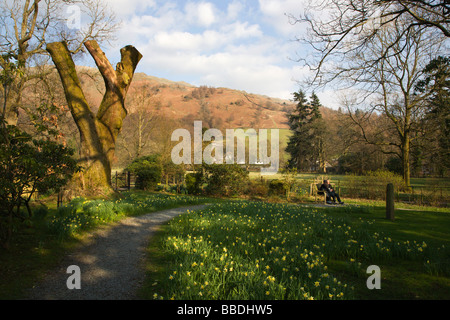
(28, 165)
(277, 187)
(223, 179)
(193, 181)
(11, 69)
(436, 82)
(148, 171)
(384, 177)
(306, 144)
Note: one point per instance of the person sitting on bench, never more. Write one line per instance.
(328, 188)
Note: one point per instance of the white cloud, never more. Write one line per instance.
(201, 14)
(185, 41)
(234, 10)
(275, 13)
(241, 30)
(232, 45)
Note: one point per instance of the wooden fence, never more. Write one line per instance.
(421, 195)
(123, 181)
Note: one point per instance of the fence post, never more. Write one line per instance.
(339, 188)
(129, 180)
(59, 200)
(390, 202)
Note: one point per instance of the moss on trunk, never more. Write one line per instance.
(98, 132)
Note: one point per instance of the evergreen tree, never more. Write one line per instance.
(296, 146)
(306, 144)
(436, 123)
(315, 105)
(318, 132)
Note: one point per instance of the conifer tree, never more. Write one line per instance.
(306, 145)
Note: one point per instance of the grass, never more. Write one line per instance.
(433, 192)
(83, 214)
(40, 246)
(253, 250)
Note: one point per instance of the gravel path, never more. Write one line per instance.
(110, 261)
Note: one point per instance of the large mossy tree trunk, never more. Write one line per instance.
(98, 132)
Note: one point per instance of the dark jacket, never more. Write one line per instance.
(326, 187)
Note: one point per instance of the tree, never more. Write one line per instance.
(391, 85)
(27, 165)
(319, 130)
(436, 81)
(306, 145)
(297, 121)
(98, 132)
(28, 25)
(344, 27)
(379, 54)
(139, 125)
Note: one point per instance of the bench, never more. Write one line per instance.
(318, 193)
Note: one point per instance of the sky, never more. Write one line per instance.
(239, 44)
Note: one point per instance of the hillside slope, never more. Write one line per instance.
(216, 107)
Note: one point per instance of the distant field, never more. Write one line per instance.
(342, 178)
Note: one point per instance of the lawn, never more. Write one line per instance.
(424, 191)
(243, 250)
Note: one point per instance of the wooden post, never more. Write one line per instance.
(339, 188)
(390, 202)
(129, 180)
(59, 200)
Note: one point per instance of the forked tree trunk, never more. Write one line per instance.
(98, 132)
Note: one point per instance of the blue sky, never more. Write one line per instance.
(240, 44)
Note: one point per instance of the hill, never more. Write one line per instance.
(156, 107)
(216, 107)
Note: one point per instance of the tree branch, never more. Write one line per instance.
(103, 64)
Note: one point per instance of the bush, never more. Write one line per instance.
(224, 179)
(193, 183)
(257, 188)
(384, 177)
(28, 165)
(277, 187)
(148, 171)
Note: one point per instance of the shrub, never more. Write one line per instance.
(193, 183)
(28, 165)
(224, 179)
(148, 171)
(277, 187)
(383, 177)
(257, 188)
